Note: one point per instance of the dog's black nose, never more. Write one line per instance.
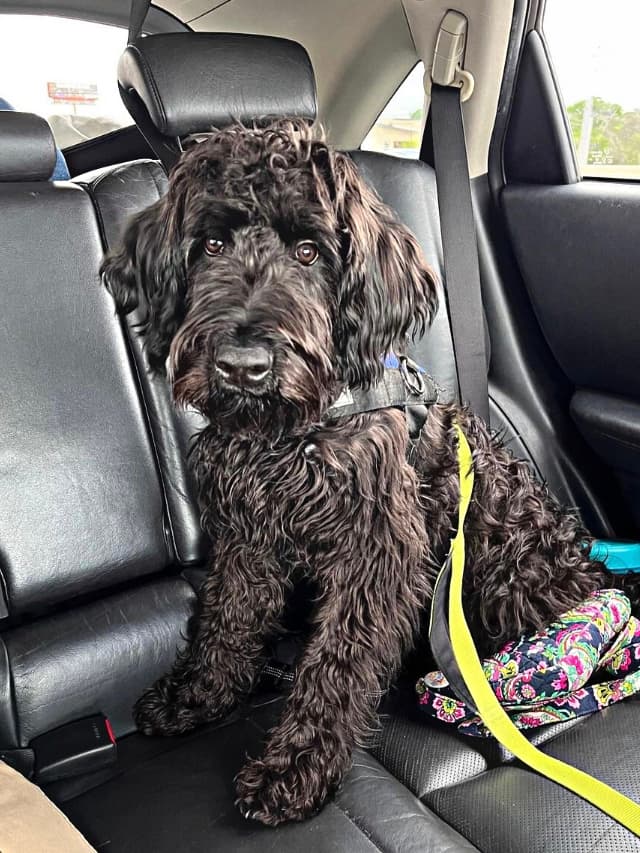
(246, 367)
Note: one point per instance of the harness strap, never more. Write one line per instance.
(614, 804)
(392, 390)
(403, 385)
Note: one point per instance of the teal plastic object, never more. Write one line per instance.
(620, 558)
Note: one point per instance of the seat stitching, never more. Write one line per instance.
(630, 443)
(358, 827)
(149, 164)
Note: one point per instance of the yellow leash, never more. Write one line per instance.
(607, 799)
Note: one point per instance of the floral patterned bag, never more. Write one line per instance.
(557, 674)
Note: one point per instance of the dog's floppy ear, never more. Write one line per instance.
(148, 271)
(387, 288)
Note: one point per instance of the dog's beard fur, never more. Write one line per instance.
(260, 191)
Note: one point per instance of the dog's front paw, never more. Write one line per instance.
(282, 788)
(159, 711)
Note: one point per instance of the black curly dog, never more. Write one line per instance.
(271, 277)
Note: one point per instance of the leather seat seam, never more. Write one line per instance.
(360, 829)
(150, 170)
(632, 445)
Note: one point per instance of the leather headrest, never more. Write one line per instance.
(191, 82)
(27, 149)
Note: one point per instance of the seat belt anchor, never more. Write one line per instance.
(448, 57)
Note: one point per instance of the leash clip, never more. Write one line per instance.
(411, 376)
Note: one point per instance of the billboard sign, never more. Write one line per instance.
(66, 93)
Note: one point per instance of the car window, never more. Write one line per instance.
(65, 71)
(593, 47)
(398, 128)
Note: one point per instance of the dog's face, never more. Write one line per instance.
(270, 275)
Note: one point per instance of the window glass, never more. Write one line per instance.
(398, 128)
(594, 49)
(65, 71)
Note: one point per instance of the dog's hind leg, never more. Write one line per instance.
(240, 603)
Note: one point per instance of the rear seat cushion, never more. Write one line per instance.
(475, 785)
(94, 659)
(188, 802)
(512, 810)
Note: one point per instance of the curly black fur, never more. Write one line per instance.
(283, 491)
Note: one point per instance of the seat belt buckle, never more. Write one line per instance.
(82, 746)
(448, 57)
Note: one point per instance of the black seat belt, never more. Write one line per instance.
(166, 148)
(444, 147)
(137, 15)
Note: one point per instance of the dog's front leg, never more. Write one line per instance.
(367, 617)
(240, 603)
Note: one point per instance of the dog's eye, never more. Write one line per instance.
(306, 252)
(213, 247)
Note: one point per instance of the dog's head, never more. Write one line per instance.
(270, 275)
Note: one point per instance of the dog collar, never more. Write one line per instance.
(404, 385)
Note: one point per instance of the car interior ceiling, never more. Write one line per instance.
(101, 550)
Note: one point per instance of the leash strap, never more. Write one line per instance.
(614, 804)
(444, 131)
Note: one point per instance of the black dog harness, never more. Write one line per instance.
(404, 385)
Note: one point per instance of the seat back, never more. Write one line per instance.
(82, 512)
(82, 507)
(118, 193)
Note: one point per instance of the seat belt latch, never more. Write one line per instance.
(83, 746)
(448, 57)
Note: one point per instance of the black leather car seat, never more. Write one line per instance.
(88, 619)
